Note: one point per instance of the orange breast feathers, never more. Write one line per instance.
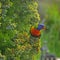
(35, 32)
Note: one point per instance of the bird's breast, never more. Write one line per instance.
(35, 32)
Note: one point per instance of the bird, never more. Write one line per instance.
(36, 32)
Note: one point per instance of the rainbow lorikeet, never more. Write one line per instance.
(36, 32)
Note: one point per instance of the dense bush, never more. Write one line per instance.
(16, 18)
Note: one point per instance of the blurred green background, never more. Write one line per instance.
(50, 10)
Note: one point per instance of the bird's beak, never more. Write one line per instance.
(44, 28)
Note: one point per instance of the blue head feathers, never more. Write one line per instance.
(40, 26)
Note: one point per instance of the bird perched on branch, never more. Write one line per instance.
(36, 32)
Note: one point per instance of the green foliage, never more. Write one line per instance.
(15, 21)
(2, 57)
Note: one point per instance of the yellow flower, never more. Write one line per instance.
(23, 48)
(18, 47)
(36, 4)
(37, 16)
(22, 40)
(25, 34)
(30, 7)
(28, 46)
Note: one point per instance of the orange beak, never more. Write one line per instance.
(44, 28)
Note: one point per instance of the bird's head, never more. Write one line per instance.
(41, 26)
